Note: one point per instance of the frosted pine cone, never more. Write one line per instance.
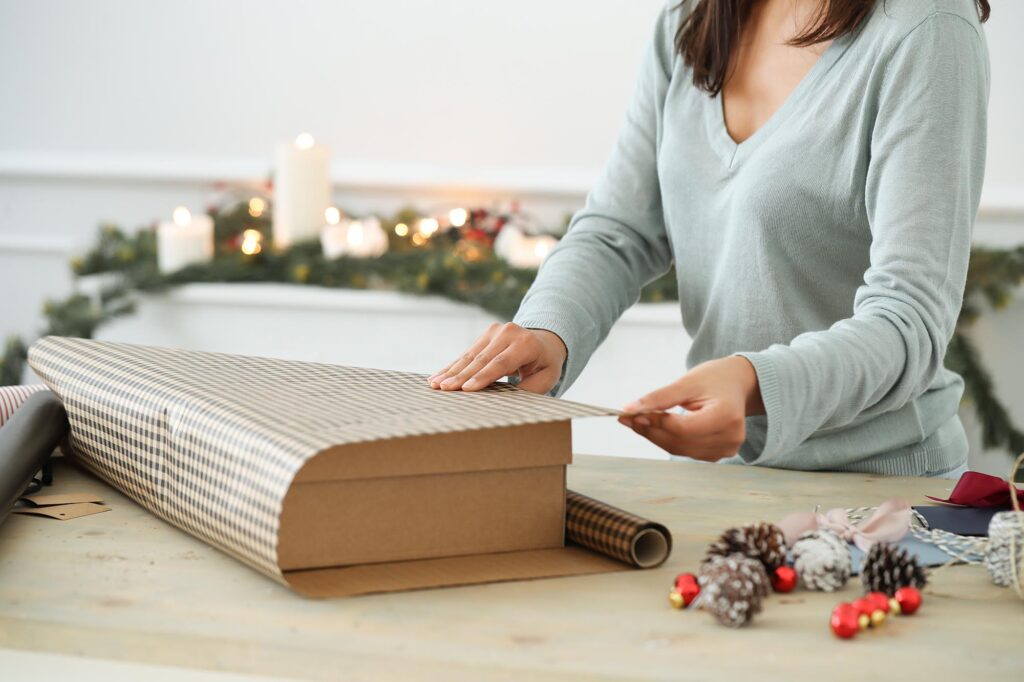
(762, 541)
(822, 560)
(887, 568)
(732, 588)
(1005, 536)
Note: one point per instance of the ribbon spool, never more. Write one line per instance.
(1005, 556)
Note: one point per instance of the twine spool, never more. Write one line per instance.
(1005, 557)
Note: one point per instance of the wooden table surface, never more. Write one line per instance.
(124, 585)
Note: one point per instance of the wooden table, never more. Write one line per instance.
(124, 585)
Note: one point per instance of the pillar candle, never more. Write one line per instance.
(185, 240)
(302, 190)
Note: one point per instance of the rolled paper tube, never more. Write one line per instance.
(616, 533)
(26, 441)
(11, 397)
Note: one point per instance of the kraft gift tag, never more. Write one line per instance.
(63, 512)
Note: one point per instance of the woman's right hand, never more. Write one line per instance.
(535, 355)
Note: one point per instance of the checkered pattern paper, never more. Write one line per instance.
(11, 398)
(611, 531)
(211, 442)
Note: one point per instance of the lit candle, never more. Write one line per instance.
(302, 190)
(185, 240)
(521, 250)
(357, 238)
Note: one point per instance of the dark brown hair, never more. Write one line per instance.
(706, 37)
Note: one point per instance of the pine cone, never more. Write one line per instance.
(762, 541)
(887, 569)
(822, 560)
(732, 588)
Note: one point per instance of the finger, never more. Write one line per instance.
(456, 365)
(676, 393)
(707, 421)
(540, 382)
(507, 362)
(706, 448)
(455, 380)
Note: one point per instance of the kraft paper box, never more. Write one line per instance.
(332, 480)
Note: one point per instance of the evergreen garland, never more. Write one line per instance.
(450, 265)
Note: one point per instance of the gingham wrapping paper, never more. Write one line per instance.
(11, 398)
(606, 529)
(210, 442)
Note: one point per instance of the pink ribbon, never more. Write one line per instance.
(889, 523)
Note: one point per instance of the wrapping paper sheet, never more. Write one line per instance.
(211, 442)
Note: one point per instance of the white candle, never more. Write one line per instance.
(357, 238)
(522, 251)
(302, 190)
(185, 240)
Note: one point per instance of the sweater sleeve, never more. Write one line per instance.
(923, 183)
(617, 243)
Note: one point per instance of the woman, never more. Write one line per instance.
(813, 169)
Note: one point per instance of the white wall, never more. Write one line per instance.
(120, 110)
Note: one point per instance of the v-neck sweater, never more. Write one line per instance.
(830, 248)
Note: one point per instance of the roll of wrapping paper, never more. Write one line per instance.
(614, 532)
(26, 441)
(11, 397)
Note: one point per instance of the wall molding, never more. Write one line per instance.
(999, 200)
(533, 181)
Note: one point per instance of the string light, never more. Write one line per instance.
(458, 216)
(428, 226)
(257, 206)
(182, 216)
(418, 239)
(252, 242)
(332, 215)
(304, 141)
(401, 229)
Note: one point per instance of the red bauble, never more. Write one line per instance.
(844, 620)
(909, 599)
(784, 579)
(865, 606)
(880, 600)
(687, 586)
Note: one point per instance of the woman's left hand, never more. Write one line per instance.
(717, 396)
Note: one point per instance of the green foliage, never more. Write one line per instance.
(449, 266)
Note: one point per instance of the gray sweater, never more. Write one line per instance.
(830, 248)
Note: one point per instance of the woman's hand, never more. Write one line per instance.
(717, 395)
(536, 355)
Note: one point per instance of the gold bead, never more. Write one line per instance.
(894, 606)
(878, 617)
(863, 621)
(676, 600)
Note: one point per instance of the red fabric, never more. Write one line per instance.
(981, 490)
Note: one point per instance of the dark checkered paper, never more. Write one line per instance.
(211, 442)
(614, 532)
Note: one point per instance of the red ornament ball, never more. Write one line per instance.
(880, 600)
(686, 585)
(784, 579)
(844, 620)
(909, 599)
(865, 606)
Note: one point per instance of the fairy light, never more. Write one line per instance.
(332, 215)
(401, 229)
(428, 226)
(418, 239)
(182, 216)
(257, 206)
(252, 242)
(458, 216)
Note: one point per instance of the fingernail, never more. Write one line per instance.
(471, 384)
(632, 407)
(448, 383)
(643, 421)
